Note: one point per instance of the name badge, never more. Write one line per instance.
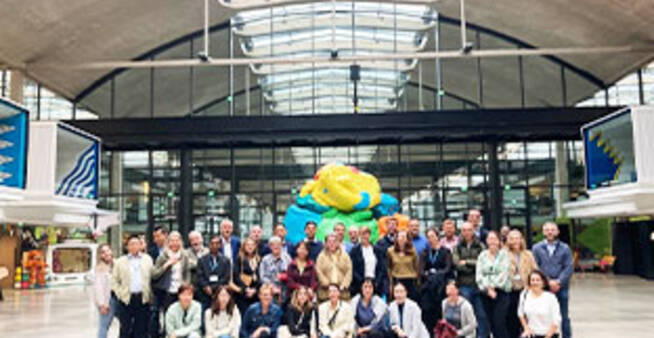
(213, 279)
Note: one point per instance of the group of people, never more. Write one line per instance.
(475, 284)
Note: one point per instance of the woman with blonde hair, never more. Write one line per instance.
(246, 273)
(171, 269)
(105, 301)
(333, 266)
(522, 263)
(297, 317)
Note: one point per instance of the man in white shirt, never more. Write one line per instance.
(230, 244)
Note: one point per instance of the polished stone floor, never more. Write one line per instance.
(601, 306)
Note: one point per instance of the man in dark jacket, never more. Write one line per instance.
(315, 246)
(389, 239)
(159, 238)
(465, 260)
(213, 271)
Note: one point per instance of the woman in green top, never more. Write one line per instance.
(493, 267)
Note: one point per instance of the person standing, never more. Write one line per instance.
(273, 268)
(522, 263)
(474, 217)
(402, 263)
(195, 252)
(246, 274)
(458, 312)
(255, 234)
(405, 315)
(315, 246)
(353, 233)
(339, 230)
(465, 261)
(262, 319)
(160, 240)
(449, 240)
(104, 298)
(287, 247)
(555, 260)
(302, 271)
(214, 271)
(131, 285)
(539, 310)
(335, 318)
(388, 239)
(231, 244)
(494, 281)
(368, 262)
(435, 269)
(171, 270)
(184, 317)
(222, 319)
(419, 241)
(333, 267)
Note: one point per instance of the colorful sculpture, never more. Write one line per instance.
(36, 265)
(339, 194)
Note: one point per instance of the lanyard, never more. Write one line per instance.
(433, 257)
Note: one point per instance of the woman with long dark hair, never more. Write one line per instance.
(302, 271)
(539, 311)
(403, 264)
(223, 319)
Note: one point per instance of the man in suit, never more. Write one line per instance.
(255, 234)
(131, 284)
(160, 240)
(213, 271)
(230, 244)
(389, 239)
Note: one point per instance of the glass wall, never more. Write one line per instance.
(255, 186)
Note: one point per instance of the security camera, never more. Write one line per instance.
(467, 48)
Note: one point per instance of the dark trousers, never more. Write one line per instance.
(158, 301)
(134, 317)
(563, 297)
(496, 313)
(513, 325)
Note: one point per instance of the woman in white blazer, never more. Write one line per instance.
(405, 315)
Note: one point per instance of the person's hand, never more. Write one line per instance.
(363, 330)
(555, 286)
(172, 336)
(171, 261)
(207, 290)
(527, 333)
(462, 262)
(104, 310)
(492, 293)
(257, 332)
(276, 289)
(310, 294)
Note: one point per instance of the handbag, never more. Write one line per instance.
(245, 278)
(444, 329)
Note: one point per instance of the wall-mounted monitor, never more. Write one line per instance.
(13, 144)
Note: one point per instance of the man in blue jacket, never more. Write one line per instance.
(230, 244)
(555, 260)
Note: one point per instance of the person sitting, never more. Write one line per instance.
(222, 320)
(405, 315)
(297, 318)
(184, 317)
(262, 319)
(458, 312)
(335, 319)
(370, 312)
(539, 310)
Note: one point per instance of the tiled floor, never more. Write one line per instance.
(601, 306)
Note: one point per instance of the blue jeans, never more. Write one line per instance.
(105, 320)
(471, 293)
(563, 297)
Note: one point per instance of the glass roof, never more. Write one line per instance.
(319, 29)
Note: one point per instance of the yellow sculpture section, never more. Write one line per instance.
(345, 188)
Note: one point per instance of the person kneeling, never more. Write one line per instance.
(184, 317)
(297, 318)
(262, 319)
(335, 319)
(222, 319)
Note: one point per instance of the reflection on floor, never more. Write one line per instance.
(601, 306)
